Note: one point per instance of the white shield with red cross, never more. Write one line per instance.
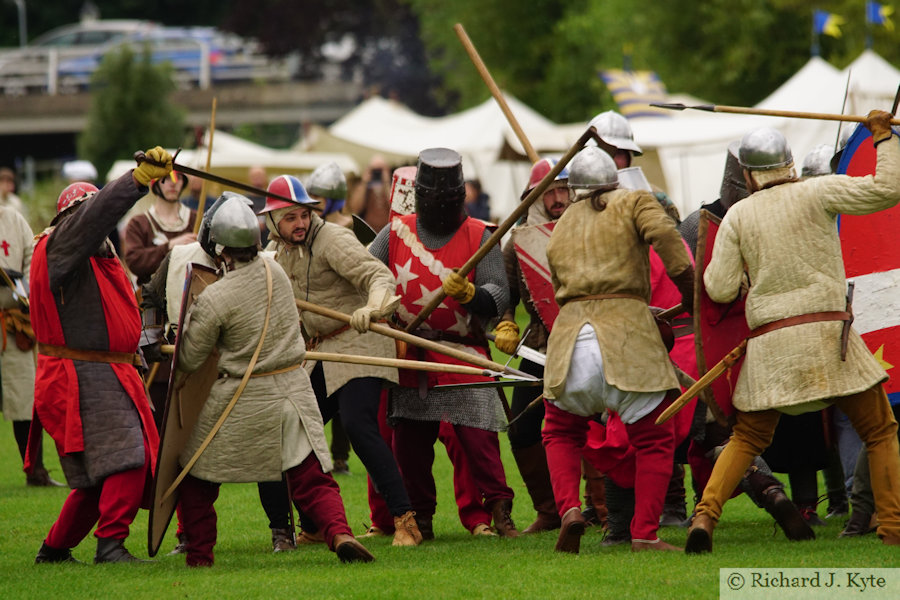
(530, 243)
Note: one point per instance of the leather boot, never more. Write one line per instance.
(570, 531)
(55, 555)
(282, 540)
(620, 502)
(306, 538)
(532, 463)
(860, 523)
(674, 510)
(41, 478)
(785, 513)
(700, 535)
(657, 545)
(349, 549)
(181, 546)
(406, 531)
(425, 527)
(112, 550)
(503, 523)
(483, 530)
(595, 512)
(373, 531)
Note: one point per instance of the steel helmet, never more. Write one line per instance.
(203, 230)
(593, 169)
(289, 187)
(764, 149)
(328, 181)
(614, 129)
(73, 194)
(818, 161)
(540, 170)
(440, 190)
(233, 225)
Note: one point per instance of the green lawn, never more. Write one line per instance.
(455, 565)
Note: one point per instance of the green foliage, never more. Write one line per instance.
(130, 110)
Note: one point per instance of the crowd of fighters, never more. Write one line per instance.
(607, 372)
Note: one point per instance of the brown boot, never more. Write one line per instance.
(659, 545)
(306, 538)
(406, 531)
(596, 511)
(503, 523)
(282, 540)
(785, 512)
(570, 531)
(349, 549)
(41, 478)
(483, 530)
(860, 523)
(700, 535)
(373, 531)
(532, 463)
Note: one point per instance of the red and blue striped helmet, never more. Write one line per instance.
(287, 186)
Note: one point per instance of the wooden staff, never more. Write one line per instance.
(412, 339)
(201, 201)
(495, 92)
(704, 382)
(743, 110)
(511, 220)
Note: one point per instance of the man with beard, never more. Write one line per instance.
(422, 249)
(88, 393)
(328, 266)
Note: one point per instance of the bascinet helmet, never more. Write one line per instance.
(540, 170)
(203, 230)
(817, 162)
(72, 195)
(614, 129)
(593, 169)
(440, 190)
(764, 149)
(734, 187)
(233, 225)
(328, 181)
(289, 187)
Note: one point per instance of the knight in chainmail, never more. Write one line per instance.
(422, 249)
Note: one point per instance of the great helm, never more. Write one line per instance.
(540, 170)
(72, 195)
(593, 169)
(817, 162)
(328, 181)
(764, 149)
(233, 225)
(289, 187)
(440, 190)
(614, 129)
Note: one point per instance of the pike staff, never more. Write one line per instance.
(201, 201)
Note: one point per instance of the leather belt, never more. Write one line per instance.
(605, 297)
(816, 317)
(316, 340)
(266, 373)
(97, 356)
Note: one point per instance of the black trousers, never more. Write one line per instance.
(527, 430)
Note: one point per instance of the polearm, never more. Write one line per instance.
(411, 339)
(766, 112)
(520, 210)
(704, 382)
(495, 91)
(201, 201)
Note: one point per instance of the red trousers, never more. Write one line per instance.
(315, 493)
(565, 438)
(112, 505)
(468, 499)
(414, 449)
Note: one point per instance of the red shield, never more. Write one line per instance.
(872, 261)
(718, 328)
(187, 395)
(530, 242)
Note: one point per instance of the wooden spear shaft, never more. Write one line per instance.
(766, 112)
(201, 201)
(495, 91)
(511, 220)
(411, 339)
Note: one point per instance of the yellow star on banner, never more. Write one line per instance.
(879, 356)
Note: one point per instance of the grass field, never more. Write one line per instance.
(455, 565)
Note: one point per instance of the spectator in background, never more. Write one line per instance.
(477, 203)
(370, 198)
(7, 189)
(192, 199)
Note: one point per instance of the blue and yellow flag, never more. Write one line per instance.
(633, 92)
(826, 23)
(878, 14)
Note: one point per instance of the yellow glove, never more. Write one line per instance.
(382, 304)
(147, 172)
(879, 123)
(458, 287)
(506, 337)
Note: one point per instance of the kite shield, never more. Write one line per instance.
(718, 328)
(187, 395)
(530, 242)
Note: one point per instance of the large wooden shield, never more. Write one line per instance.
(530, 243)
(718, 328)
(872, 261)
(187, 395)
